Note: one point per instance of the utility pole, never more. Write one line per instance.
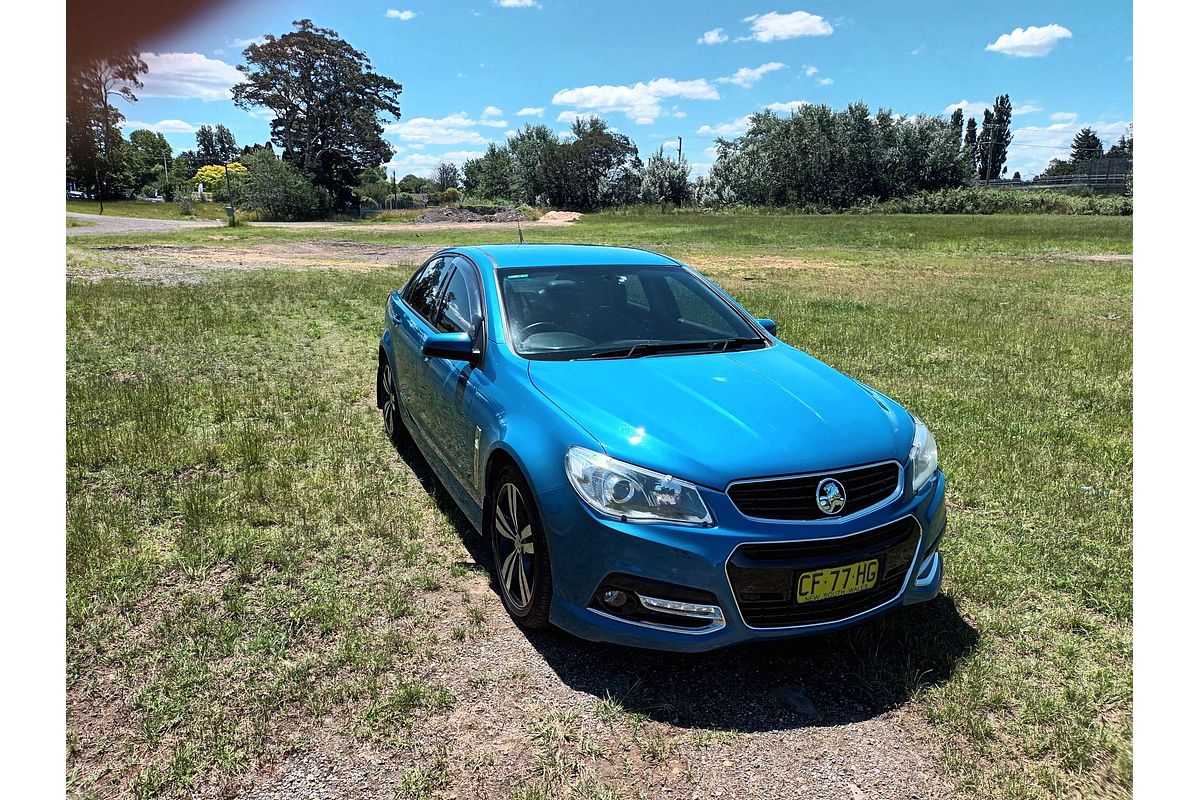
(166, 175)
(680, 149)
(228, 197)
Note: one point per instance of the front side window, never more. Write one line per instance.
(460, 302)
(618, 312)
(421, 294)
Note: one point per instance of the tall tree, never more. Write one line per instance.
(594, 169)
(528, 147)
(1086, 146)
(490, 175)
(1122, 149)
(665, 180)
(971, 145)
(215, 145)
(328, 101)
(446, 176)
(150, 155)
(956, 123)
(93, 135)
(995, 138)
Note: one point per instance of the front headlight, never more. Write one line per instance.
(924, 455)
(632, 493)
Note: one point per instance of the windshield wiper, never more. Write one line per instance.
(653, 348)
(736, 342)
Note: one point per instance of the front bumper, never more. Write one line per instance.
(587, 548)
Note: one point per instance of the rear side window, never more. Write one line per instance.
(460, 303)
(421, 294)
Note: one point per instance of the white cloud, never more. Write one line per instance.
(774, 26)
(404, 16)
(192, 76)
(457, 128)
(976, 109)
(532, 111)
(825, 82)
(248, 42)
(715, 36)
(420, 163)
(747, 77)
(641, 102)
(786, 107)
(571, 116)
(735, 128)
(969, 109)
(510, 133)
(810, 71)
(162, 126)
(515, 3)
(1030, 42)
(494, 123)
(1064, 116)
(492, 111)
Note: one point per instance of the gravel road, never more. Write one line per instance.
(110, 224)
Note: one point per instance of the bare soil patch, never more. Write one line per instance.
(172, 264)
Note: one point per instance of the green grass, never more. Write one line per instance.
(246, 556)
(79, 223)
(761, 234)
(140, 208)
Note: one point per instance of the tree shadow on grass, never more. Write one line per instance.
(824, 679)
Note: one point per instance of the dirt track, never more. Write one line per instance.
(109, 224)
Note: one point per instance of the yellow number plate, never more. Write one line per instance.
(822, 584)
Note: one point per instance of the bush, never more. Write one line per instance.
(184, 198)
(451, 195)
(278, 190)
(979, 200)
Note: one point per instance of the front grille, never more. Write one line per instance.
(796, 498)
(763, 576)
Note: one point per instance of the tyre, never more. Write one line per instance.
(519, 550)
(389, 403)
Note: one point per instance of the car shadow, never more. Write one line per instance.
(820, 680)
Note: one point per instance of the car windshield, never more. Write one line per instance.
(566, 313)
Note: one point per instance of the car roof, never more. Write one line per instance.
(562, 255)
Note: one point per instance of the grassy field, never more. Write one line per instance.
(140, 208)
(843, 237)
(250, 563)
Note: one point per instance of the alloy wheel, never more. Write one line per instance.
(516, 555)
(389, 401)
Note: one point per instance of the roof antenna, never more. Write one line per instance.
(520, 233)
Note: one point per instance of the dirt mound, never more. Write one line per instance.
(443, 214)
(507, 216)
(560, 217)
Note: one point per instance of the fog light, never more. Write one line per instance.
(614, 598)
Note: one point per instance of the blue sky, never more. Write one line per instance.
(474, 70)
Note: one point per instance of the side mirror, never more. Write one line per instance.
(768, 325)
(454, 346)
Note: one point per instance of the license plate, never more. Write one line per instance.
(822, 584)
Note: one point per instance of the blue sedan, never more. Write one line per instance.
(648, 463)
